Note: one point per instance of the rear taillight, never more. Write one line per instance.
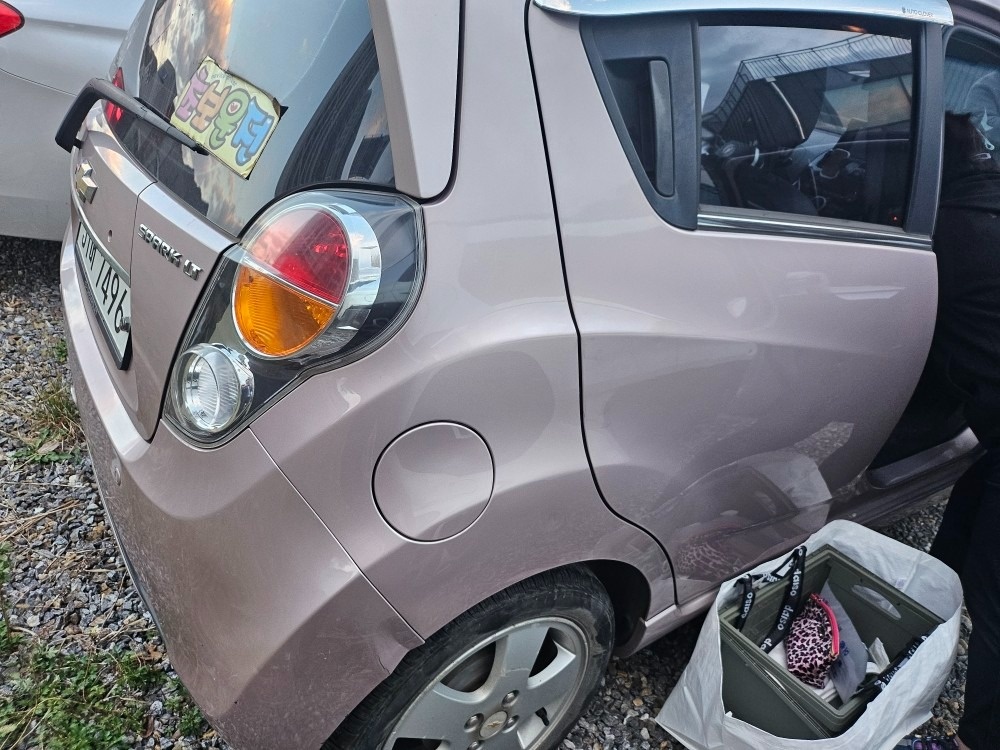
(320, 279)
(295, 276)
(10, 19)
(112, 112)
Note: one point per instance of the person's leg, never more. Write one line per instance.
(980, 726)
(951, 545)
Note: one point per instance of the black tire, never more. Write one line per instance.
(575, 608)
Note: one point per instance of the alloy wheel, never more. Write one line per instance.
(507, 692)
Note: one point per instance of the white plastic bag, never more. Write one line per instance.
(694, 712)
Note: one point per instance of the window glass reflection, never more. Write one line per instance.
(806, 121)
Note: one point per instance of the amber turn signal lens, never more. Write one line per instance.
(275, 319)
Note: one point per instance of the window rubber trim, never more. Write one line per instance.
(928, 135)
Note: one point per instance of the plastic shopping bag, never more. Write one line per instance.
(694, 712)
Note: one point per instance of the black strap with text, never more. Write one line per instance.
(795, 574)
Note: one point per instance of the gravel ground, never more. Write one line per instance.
(69, 590)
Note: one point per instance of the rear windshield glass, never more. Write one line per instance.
(316, 61)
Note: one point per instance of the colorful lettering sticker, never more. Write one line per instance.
(227, 115)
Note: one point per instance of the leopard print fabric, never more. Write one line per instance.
(708, 560)
(809, 644)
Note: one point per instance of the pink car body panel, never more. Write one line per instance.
(490, 344)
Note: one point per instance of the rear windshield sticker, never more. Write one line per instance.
(228, 116)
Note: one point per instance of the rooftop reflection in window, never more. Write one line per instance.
(812, 122)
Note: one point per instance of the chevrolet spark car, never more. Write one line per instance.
(430, 353)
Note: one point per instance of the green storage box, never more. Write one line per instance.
(759, 698)
(877, 610)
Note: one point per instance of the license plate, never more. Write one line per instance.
(109, 292)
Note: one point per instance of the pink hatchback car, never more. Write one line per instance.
(430, 352)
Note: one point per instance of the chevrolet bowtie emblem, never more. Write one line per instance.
(83, 180)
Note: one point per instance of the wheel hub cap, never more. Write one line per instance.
(493, 725)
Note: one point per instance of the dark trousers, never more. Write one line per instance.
(969, 542)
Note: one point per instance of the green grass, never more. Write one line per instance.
(9, 640)
(55, 420)
(60, 352)
(76, 701)
(190, 722)
(47, 448)
(56, 412)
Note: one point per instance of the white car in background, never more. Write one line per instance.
(48, 50)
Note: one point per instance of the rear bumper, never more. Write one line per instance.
(271, 626)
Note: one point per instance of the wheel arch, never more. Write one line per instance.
(629, 592)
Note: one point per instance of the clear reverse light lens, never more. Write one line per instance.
(213, 386)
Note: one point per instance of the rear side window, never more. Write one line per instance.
(764, 113)
(318, 62)
(806, 121)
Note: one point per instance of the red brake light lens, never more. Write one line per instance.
(309, 249)
(10, 19)
(112, 112)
